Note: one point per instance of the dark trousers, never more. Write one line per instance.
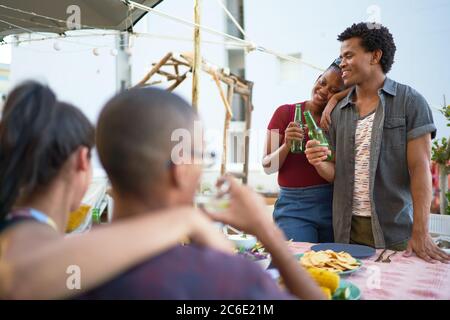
(361, 233)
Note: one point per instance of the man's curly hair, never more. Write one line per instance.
(373, 37)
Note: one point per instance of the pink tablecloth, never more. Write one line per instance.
(402, 279)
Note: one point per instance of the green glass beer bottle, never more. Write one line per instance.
(298, 146)
(315, 133)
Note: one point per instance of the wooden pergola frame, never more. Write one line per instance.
(175, 69)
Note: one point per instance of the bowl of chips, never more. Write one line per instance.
(338, 262)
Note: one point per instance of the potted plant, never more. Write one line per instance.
(441, 155)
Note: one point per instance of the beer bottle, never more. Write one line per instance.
(298, 146)
(315, 133)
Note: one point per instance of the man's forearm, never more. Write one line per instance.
(295, 277)
(421, 195)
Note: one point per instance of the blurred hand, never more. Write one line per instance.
(204, 233)
(316, 154)
(293, 132)
(247, 210)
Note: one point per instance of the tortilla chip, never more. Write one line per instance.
(329, 260)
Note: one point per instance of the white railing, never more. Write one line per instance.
(439, 224)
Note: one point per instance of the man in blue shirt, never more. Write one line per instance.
(381, 137)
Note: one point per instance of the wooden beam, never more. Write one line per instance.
(167, 74)
(226, 102)
(248, 123)
(181, 62)
(197, 57)
(155, 82)
(154, 69)
(168, 63)
(242, 92)
(178, 82)
(226, 126)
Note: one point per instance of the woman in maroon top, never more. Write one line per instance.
(304, 207)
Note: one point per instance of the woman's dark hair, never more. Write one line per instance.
(333, 66)
(38, 133)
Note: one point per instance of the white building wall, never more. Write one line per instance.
(148, 50)
(88, 81)
(421, 29)
(73, 72)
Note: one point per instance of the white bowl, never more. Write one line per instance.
(264, 263)
(240, 241)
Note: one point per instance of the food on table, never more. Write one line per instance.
(254, 256)
(325, 278)
(327, 281)
(329, 260)
(77, 217)
(257, 252)
(259, 247)
(243, 241)
(443, 244)
(327, 292)
(342, 294)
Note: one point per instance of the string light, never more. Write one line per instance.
(247, 45)
(216, 32)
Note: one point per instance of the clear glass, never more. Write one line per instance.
(213, 199)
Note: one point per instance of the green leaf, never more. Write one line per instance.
(448, 202)
(441, 151)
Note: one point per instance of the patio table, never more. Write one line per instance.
(405, 278)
